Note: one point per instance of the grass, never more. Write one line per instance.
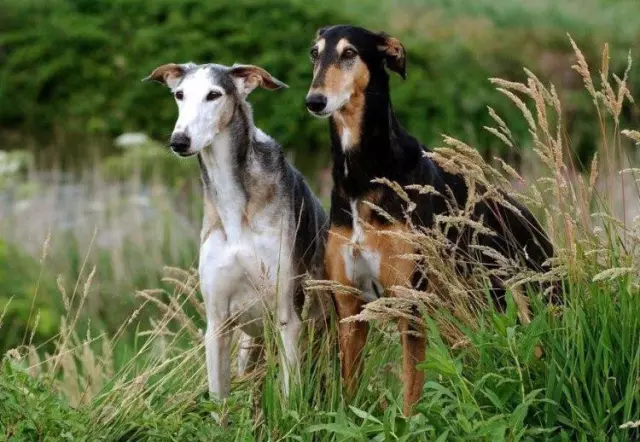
(125, 228)
(484, 381)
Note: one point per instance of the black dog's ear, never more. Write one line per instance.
(321, 31)
(394, 54)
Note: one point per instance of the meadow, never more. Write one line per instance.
(101, 319)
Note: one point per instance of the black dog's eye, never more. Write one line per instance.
(313, 53)
(349, 53)
(179, 95)
(213, 95)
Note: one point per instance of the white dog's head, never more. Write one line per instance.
(207, 96)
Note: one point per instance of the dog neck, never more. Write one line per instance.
(364, 138)
(222, 168)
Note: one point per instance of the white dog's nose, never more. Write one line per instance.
(180, 142)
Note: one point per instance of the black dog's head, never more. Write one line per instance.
(345, 59)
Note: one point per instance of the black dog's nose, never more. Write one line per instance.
(316, 102)
(180, 142)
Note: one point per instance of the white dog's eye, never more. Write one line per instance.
(179, 95)
(213, 95)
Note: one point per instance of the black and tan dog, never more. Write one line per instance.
(351, 86)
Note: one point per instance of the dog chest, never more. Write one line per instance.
(370, 256)
(239, 279)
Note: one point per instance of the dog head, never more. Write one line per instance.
(345, 59)
(207, 96)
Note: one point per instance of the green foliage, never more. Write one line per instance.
(77, 64)
(493, 389)
(31, 410)
(20, 281)
(12, 164)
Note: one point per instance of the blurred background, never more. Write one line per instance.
(86, 180)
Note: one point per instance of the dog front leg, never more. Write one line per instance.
(249, 352)
(352, 339)
(290, 327)
(218, 351)
(414, 344)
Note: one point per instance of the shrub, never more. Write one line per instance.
(31, 410)
(77, 64)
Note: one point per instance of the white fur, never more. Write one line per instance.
(245, 271)
(345, 139)
(262, 137)
(362, 265)
(197, 116)
(336, 102)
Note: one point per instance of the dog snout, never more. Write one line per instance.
(316, 103)
(180, 142)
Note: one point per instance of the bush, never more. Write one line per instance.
(78, 64)
(74, 66)
(31, 410)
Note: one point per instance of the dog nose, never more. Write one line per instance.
(180, 142)
(316, 102)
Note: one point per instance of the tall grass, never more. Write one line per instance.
(125, 228)
(484, 381)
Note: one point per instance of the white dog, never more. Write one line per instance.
(263, 229)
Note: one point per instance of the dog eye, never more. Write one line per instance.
(213, 95)
(179, 95)
(313, 53)
(349, 53)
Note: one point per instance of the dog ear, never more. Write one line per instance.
(248, 77)
(168, 74)
(321, 31)
(394, 54)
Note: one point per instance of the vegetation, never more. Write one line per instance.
(77, 64)
(145, 379)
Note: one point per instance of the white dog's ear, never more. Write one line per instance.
(169, 74)
(248, 77)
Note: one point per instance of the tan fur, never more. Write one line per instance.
(393, 48)
(342, 45)
(259, 198)
(226, 114)
(394, 271)
(352, 336)
(353, 81)
(396, 55)
(350, 116)
(255, 76)
(334, 81)
(211, 219)
(414, 346)
(166, 72)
